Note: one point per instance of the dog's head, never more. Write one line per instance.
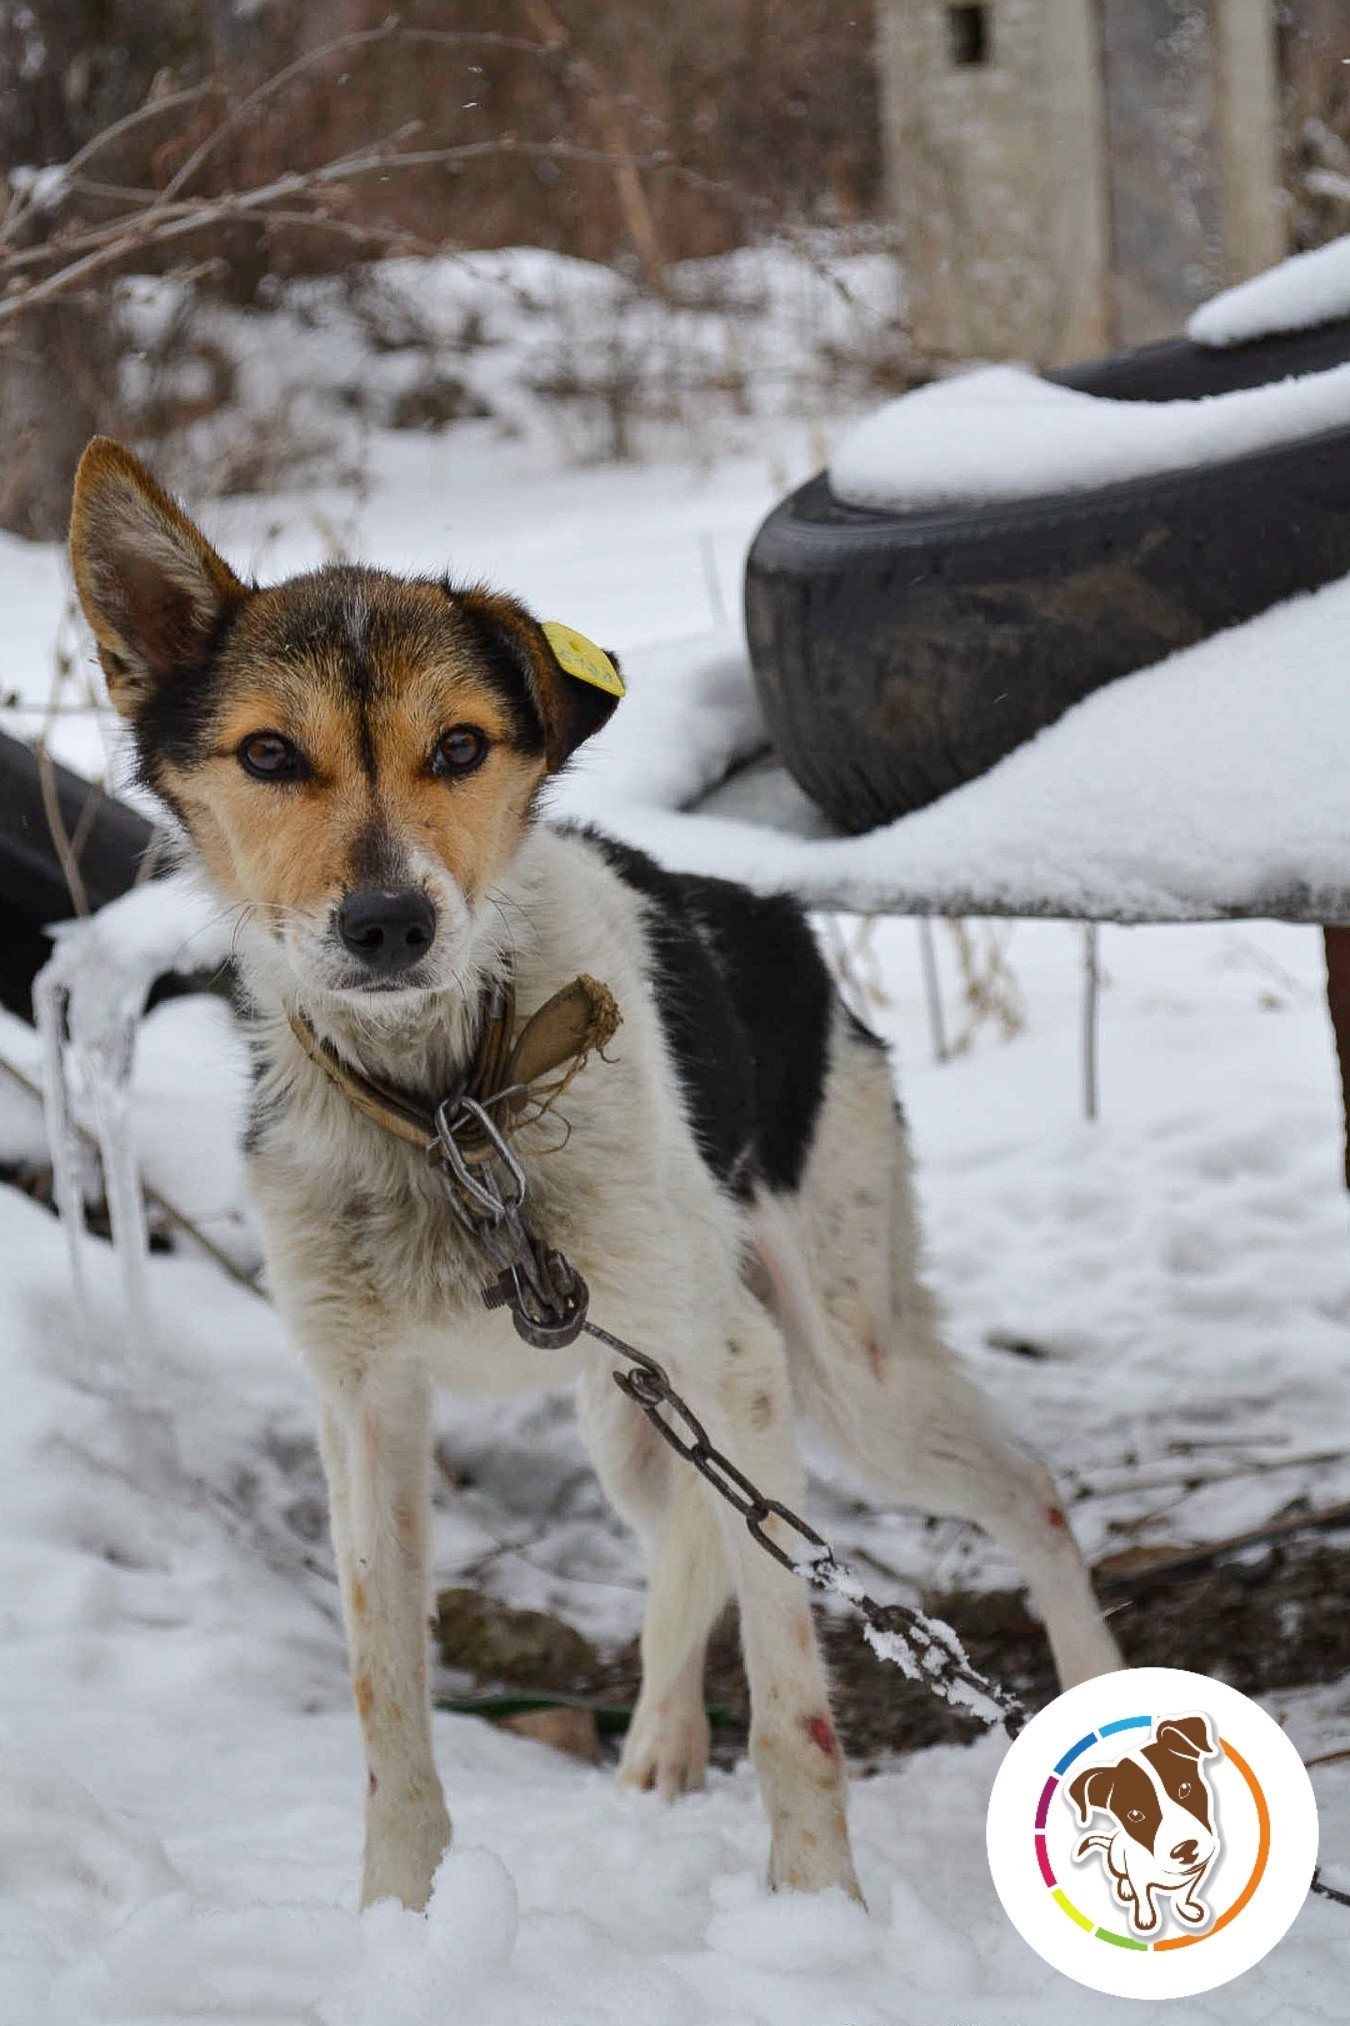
(1159, 1796)
(355, 755)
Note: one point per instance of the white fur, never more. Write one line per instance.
(809, 1303)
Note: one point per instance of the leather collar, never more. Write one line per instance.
(507, 1075)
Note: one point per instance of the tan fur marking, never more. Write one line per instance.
(364, 1692)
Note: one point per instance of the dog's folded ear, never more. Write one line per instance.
(569, 710)
(1188, 1736)
(153, 589)
(1092, 1790)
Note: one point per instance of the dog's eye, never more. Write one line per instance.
(1183, 1790)
(269, 757)
(459, 750)
(1134, 1814)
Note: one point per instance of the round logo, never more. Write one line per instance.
(1152, 1833)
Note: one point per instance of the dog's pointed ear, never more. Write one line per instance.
(1189, 1736)
(1092, 1790)
(153, 589)
(571, 708)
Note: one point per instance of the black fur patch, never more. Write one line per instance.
(504, 665)
(745, 1000)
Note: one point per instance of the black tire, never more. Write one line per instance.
(33, 888)
(1177, 370)
(898, 655)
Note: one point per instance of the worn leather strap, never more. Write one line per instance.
(555, 1041)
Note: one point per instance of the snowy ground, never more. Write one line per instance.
(180, 1785)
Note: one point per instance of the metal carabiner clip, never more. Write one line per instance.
(482, 1192)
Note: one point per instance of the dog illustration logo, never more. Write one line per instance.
(1164, 1837)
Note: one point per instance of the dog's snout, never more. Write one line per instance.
(1187, 1852)
(389, 932)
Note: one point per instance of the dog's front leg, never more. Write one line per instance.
(793, 1743)
(376, 1443)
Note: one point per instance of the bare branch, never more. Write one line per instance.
(311, 60)
(56, 825)
(116, 241)
(151, 109)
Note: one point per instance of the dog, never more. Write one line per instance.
(357, 761)
(1165, 1837)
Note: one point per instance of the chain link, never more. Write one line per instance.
(548, 1300)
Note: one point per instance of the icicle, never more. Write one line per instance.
(105, 1058)
(51, 1000)
(88, 1000)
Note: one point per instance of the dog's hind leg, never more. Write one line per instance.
(871, 1371)
(376, 1445)
(666, 1745)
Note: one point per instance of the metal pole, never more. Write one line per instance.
(1091, 997)
(932, 988)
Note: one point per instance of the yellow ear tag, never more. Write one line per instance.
(581, 657)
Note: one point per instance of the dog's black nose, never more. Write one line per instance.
(389, 932)
(1187, 1852)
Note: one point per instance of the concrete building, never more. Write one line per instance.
(1071, 175)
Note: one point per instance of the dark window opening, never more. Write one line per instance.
(968, 36)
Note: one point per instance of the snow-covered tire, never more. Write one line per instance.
(897, 655)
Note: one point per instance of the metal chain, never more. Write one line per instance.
(548, 1300)
(924, 1648)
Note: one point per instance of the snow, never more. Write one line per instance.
(181, 1828)
(1310, 288)
(180, 1773)
(1001, 432)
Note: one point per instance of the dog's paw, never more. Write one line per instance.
(667, 1749)
(403, 1849)
(809, 1860)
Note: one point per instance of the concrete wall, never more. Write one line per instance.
(1096, 170)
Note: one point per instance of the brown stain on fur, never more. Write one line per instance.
(364, 1692)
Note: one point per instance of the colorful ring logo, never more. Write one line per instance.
(1105, 1934)
(1144, 1812)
